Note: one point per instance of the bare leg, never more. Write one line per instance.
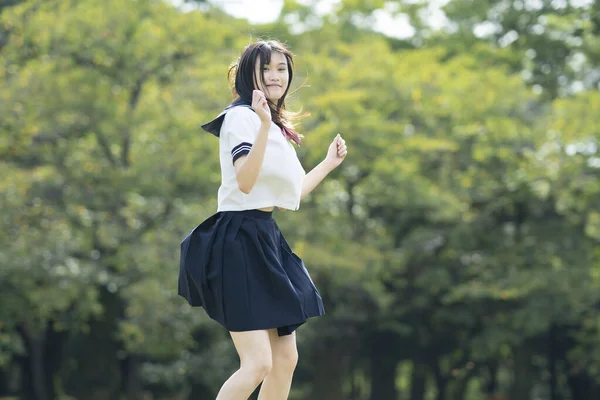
(254, 349)
(276, 385)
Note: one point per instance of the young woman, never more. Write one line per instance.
(237, 265)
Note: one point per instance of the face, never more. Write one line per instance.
(276, 77)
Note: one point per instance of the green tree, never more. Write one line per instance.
(96, 110)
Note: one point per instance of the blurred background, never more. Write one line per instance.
(457, 249)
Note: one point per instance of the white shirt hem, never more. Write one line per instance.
(244, 207)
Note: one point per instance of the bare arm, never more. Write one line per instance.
(335, 155)
(315, 176)
(248, 167)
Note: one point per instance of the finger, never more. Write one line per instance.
(257, 96)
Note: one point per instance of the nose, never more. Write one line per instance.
(270, 76)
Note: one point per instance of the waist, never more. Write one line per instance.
(260, 198)
(256, 213)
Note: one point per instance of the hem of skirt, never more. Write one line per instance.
(282, 330)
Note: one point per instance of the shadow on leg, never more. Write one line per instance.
(254, 349)
(276, 385)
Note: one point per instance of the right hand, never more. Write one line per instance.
(260, 105)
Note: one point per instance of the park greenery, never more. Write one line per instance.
(456, 248)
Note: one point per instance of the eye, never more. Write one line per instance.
(282, 69)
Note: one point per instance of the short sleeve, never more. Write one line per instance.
(239, 131)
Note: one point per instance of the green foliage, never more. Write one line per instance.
(458, 238)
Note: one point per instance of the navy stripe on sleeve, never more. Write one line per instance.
(240, 150)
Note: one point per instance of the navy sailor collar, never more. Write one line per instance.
(214, 126)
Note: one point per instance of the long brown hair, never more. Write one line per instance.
(242, 77)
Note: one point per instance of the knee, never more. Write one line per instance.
(258, 367)
(286, 358)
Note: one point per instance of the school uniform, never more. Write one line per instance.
(236, 264)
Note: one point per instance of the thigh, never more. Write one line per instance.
(252, 345)
(283, 347)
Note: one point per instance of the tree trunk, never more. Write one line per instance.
(40, 363)
(4, 391)
(355, 392)
(53, 358)
(26, 388)
(96, 356)
(330, 369)
(441, 382)
(552, 360)
(460, 389)
(131, 386)
(384, 363)
(34, 375)
(522, 374)
(441, 385)
(418, 382)
(583, 386)
(36, 349)
(383, 378)
(492, 383)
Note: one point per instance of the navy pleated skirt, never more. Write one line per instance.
(238, 266)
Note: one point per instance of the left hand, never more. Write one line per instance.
(337, 152)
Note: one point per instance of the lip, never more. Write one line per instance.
(273, 85)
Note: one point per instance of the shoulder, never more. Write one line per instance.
(241, 114)
(240, 124)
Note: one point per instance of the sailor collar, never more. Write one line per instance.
(214, 126)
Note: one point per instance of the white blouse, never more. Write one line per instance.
(279, 182)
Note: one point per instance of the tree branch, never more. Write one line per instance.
(150, 223)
